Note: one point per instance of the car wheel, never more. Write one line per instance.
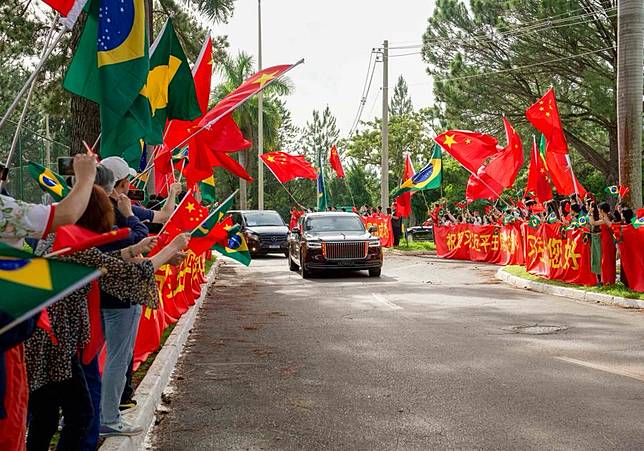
(375, 272)
(291, 264)
(305, 273)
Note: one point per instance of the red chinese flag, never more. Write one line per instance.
(287, 167)
(537, 177)
(470, 149)
(69, 9)
(403, 202)
(187, 215)
(544, 115)
(482, 186)
(210, 147)
(562, 176)
(218, 234)
(335, 162)
(74, 238)
(247, 89)
(178, 131)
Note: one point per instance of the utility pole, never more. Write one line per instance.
(260, 116)
(630, 44)
(384, 162)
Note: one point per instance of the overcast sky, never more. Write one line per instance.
(335, 38)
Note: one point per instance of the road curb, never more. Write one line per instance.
(148, 393)
(573, 293)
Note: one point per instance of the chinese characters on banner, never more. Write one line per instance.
(493, 244)
(383, 223)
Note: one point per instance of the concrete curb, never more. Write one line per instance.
(573, 293)
(148, 393)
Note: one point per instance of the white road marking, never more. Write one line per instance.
(384, 301)
(607, 369)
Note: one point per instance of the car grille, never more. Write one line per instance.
(345, 250)
(272, 239)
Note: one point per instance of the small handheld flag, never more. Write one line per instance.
(49, 181)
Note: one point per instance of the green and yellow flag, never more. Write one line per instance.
(110, 67)
(29, 284)
(170, 87)
(207, 189)
(49, 181)
(237, 249)
(429, 177)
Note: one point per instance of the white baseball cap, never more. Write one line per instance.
(118, 166)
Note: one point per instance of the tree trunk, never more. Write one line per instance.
(84, 114)
(630, 45)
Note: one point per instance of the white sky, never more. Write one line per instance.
(335, 38)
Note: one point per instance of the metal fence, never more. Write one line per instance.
(32, 145)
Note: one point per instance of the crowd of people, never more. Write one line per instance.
(45, 373)
(571, 212)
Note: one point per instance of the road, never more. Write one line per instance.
(433, 355)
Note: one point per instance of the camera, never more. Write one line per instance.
(136, 194)
(66, 165)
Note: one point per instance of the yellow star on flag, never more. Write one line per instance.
(468, 140)
(270, 158)
(449, 140)
(190, 207)
(265, 78)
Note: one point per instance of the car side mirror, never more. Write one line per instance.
(373, 229)
(295, 230)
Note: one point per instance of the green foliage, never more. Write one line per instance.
(499, 56)
(320, 134)
(401, 102)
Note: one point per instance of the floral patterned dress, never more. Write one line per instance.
(48, 362)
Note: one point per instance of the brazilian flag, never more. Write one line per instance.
(207, 189)
(323, 200)
(29, 284)
(429, 177)
(49, 181)
(237, 249)
(110, 67)
(170, 87)
(637, 222)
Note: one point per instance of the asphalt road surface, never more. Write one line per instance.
(433, 355)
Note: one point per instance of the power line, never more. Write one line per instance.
(365, 94)
(518, 30)
(527, 66)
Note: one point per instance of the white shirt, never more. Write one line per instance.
(20, 220)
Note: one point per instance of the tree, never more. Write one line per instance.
(401, 102)
(320, 133)
(499, 56)
(629, 93)
(236, 69)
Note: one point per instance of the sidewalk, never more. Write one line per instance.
(574, 293)
(149, 392)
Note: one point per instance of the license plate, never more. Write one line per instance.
(274, 246)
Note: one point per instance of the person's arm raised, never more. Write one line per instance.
(165, 212)
(168, 253)
(71, 208)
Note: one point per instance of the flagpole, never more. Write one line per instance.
(35, 73)
(284, 186)
(232, 108)
(32, 85)
(216, 210)
(572, 174)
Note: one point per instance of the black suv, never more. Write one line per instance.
(264, 230)
(329, 241)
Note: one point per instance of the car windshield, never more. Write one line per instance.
(263, 218)
(334, 223)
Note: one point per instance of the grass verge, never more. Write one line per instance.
(613, 290)
(416, 246)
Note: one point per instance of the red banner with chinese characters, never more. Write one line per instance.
(489, 243)
(383, 223)
(631, 249)
(553, 252)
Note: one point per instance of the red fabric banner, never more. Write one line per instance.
(383, 223)
(553, 252)
(488, 243)
(631, 242)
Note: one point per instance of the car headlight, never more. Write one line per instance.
(252, 236)
(314, 244)
(374, 243)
